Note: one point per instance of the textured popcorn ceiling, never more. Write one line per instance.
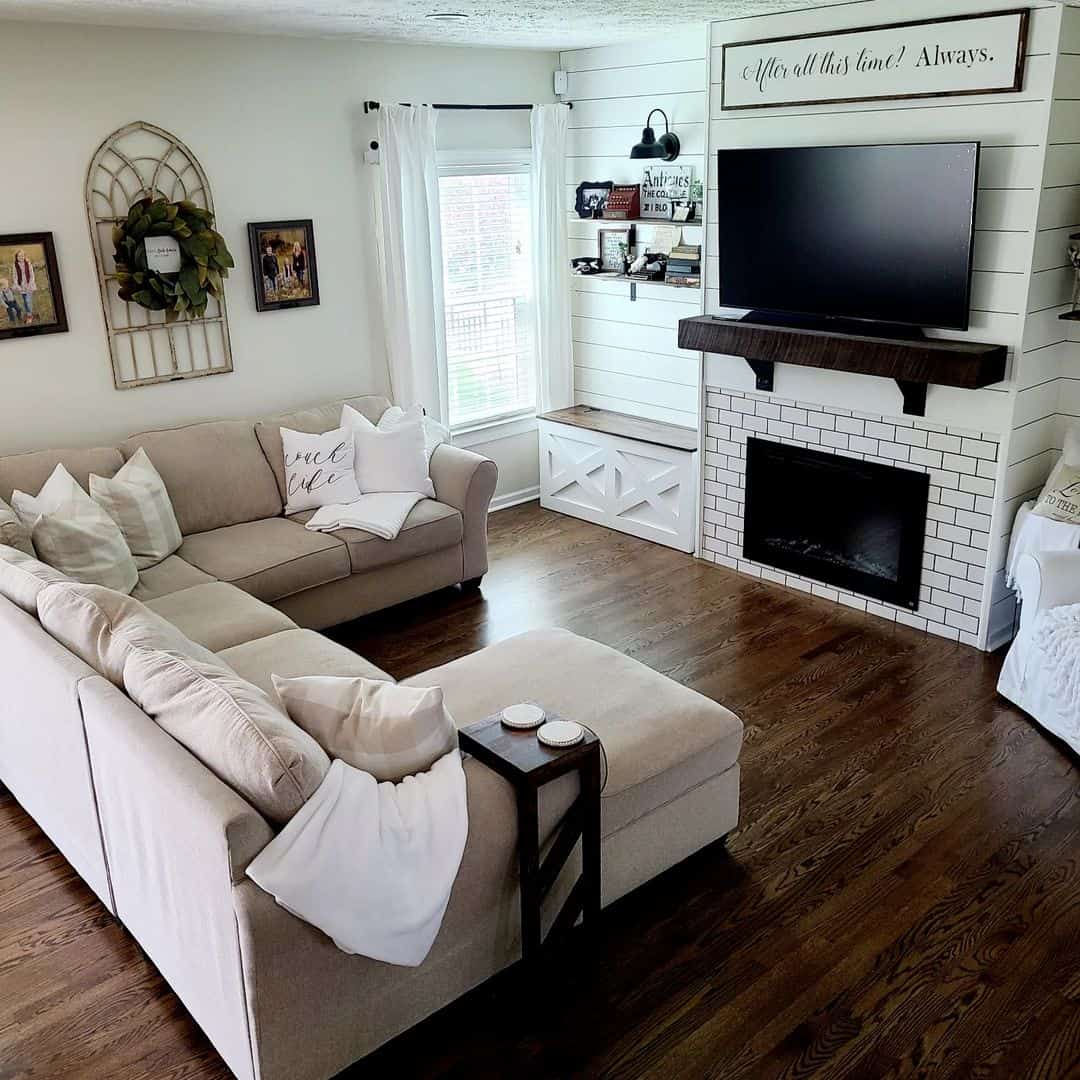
(535, 24)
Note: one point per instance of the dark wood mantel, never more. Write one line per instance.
(913, 363)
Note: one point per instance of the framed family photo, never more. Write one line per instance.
(31, 300)
(283, 264)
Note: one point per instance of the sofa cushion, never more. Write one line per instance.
(22, 577)
(290, 653)
(218, 615)
(232, 727)
(314, 420)
(28, 472)
(270, 559)
(14, 532)
(216, 473)
(651, 726)
(102, 626)
(430, 526)
(169, 576)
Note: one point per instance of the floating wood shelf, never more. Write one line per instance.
(913, 363)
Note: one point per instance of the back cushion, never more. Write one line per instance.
(314, 421)
(215, 473)
(22, 577)
(232, 727)
(28, 472)
(102, 626)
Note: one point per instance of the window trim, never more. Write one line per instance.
(478, 163)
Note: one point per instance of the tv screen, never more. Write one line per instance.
(881, 233)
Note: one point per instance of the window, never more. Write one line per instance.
(488, 291)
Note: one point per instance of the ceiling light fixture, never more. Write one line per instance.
(666, 147)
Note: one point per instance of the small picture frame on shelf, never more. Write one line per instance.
(592, 197)
(613, 249)
(683, 211)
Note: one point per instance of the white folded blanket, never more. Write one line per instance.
(1033, 532)
(382, 513)
(371, 865)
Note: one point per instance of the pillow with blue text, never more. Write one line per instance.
(319, 469)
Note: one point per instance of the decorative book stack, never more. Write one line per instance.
(684, 265)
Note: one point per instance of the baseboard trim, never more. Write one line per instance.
(514, 498)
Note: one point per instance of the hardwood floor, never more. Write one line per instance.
(902, 897)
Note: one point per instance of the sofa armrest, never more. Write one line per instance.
(176, 841)
(1046, 579)
(466, 481)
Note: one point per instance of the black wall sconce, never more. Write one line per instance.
(666, 147)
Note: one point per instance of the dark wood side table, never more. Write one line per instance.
(527, 764)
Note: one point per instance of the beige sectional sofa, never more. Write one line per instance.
(165, 843)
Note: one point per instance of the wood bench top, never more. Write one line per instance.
(627, 427)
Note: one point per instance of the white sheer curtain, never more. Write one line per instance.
(410, 257)
(551, 262)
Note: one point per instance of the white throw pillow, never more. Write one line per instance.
(13, 532)
(1060, 497)
(102, 626)
(391, 458)
(74, 535)
(435, 434)
(137, 500)
(22, 577)
(386, 730)
(319, 469)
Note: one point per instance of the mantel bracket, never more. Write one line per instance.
(914, 396)
(763, 373)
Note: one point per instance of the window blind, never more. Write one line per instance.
(487, 282)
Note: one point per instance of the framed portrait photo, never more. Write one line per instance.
(592, 197)
(283, 265)
(31, 300)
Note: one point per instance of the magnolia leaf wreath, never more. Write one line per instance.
(204, 259)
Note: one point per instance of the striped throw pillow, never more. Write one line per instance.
(74, 535)
(386, 730)
(137, 500)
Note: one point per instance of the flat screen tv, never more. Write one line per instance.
(878, 233)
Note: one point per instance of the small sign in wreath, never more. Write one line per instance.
(185, 267)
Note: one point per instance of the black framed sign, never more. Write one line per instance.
(961, 54)
(283, 265)
(31, 300)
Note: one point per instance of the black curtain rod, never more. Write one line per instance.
(372, 106)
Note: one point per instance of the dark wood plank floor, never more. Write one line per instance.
(902, 897)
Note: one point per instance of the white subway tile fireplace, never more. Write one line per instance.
(962, 466)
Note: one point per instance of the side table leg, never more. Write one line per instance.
(590, 840)
(529, 863)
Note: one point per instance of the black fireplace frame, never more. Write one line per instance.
(911, 488)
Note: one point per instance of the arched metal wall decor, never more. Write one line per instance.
(135, 162)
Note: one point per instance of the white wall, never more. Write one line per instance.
(625, 353)
(278, 125)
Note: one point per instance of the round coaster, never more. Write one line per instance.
(561, 733)
(523, 716)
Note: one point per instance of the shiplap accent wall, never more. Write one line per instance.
(625, 352)
(1025, 207)
(1042, 386)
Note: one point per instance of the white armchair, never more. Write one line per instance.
(1044, 579)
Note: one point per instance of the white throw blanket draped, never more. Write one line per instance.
(1033, 532)
(1057, 633)
(371, 865)
(382, 513)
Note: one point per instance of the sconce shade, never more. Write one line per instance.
(665, 148)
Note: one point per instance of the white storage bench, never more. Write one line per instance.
(638, 476)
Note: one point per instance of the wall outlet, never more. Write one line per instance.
(561, 82)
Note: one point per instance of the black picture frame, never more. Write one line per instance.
(278, 235)
(586, 190)
(18, 326)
